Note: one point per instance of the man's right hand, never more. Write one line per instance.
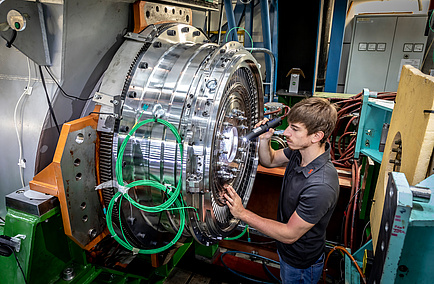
(267, 135)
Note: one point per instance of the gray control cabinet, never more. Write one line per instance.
(380, 46)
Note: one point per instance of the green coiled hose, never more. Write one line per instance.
(174, 194)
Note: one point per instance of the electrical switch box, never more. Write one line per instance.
(380, 46)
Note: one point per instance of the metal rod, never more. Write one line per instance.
(266, 33)
(230, 17)
(220, 22)
(273, 67)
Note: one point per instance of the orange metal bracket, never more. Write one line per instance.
(50, 180)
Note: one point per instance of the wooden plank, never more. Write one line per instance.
(278, 171)
(344, 174)
(415, 128)
(178, 276)
(199, 279)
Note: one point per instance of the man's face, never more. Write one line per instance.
(297, 137)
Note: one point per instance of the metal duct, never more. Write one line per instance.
(213, 95)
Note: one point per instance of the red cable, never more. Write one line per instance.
(353, 221)
(347, 213)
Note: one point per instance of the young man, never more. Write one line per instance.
(309, 191)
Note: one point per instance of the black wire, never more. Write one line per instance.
(19, 265)
(97, 112)
(265, 267)
(48, 100)
(62, 91)
(256, 243)
(239, 274)
(1, 218)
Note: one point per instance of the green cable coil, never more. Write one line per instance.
(172, 192)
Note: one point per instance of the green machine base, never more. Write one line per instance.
(47, 255)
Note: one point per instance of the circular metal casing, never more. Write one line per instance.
(213, 95)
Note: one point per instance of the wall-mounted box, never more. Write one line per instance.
(380, 46)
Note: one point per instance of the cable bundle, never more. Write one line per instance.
(342, 152)
(174, 202)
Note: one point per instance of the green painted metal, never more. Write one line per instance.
(46, 252)
(411, 245)
(39, 250)
(372, 117)
(351, 273)
(206, 251)
(370, 170)
(416, 258)
(165, 269)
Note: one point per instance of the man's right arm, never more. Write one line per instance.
(268, 157)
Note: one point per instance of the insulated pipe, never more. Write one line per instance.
(266, 33)
(230, 18)
(220, 23)
(273, 66)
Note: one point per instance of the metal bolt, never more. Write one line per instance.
(92, 233)
(143, 65)
(115, 102)
(241, 118)
(68, 274)
(211, 84)
(237, 111)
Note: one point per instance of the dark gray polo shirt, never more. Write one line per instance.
(313, 192)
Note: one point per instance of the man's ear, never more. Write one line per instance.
(317, 136)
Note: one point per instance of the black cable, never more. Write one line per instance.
(241, 275)
(271, 275)
(19, 265)
(97, 112)
(1, 218)
(11, 41)
(48, 100)
(62, 91)
(16, 258)
(256, 243)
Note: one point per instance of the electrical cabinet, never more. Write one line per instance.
(380, 46)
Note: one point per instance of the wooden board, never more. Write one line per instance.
(415, 128)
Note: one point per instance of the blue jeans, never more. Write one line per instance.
(311, 275)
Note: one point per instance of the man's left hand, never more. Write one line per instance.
(233, 201)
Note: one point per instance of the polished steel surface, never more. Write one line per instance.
(36, 206)
(213, 95)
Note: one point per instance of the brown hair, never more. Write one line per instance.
(317, 114)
